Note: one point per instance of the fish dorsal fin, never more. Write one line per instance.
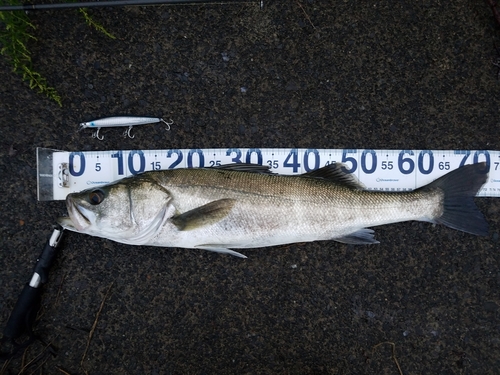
(334, 172)
(204, 215)
(245, 167)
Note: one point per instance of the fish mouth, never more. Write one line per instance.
(76, 221)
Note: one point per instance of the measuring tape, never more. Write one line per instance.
(63, 172)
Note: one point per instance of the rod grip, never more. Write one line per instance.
(45, 261)
(24, 313)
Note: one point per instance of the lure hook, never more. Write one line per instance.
(127, 132)
(167, 123)
(96, 135)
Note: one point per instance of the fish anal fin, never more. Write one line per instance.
(204, 215)
(335, 172)
(360, 237)
(221, 249)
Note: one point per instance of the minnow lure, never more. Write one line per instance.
(129, 121)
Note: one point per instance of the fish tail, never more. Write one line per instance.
(460, 187)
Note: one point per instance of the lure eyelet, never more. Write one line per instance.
(96, 197)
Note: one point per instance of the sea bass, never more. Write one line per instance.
(242, 206)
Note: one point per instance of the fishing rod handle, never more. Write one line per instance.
(24, 313)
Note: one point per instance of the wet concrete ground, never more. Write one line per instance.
(337, 74)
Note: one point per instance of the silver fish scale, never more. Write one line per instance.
(282, 209)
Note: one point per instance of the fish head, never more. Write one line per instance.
(131, 210)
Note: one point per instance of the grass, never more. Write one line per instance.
(15, 36)
(91, 22)
(16, 33)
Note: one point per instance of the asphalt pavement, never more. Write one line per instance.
(308, 74)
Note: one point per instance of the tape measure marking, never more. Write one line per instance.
(384, 170)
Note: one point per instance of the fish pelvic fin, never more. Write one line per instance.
(207, 214)
(459, 188)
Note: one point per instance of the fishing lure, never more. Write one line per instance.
(129, 121)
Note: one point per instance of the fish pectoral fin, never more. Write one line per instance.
(360, 237)
(204, 215)
(221, 249)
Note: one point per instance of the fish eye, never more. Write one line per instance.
(96, 197)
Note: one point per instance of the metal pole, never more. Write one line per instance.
(113, 3)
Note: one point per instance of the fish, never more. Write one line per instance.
(242, 206)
